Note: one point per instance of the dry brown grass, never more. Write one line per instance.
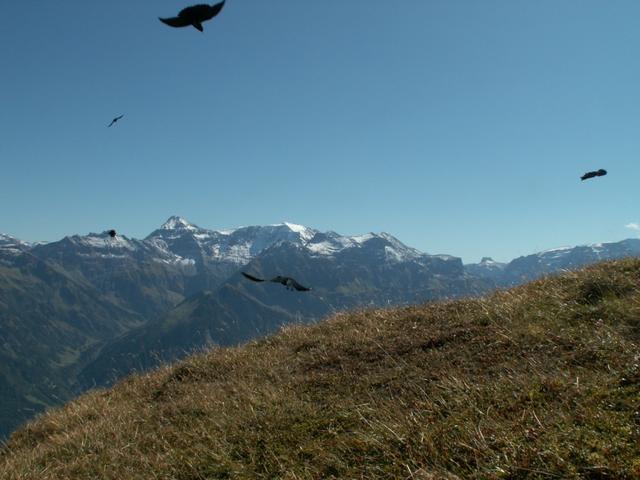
(541, 381)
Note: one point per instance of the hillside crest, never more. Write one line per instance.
(542, 380)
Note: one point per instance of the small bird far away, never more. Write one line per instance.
(597, 173)
(288, 282)
(194, 16)
(116, 119)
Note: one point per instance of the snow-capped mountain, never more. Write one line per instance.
(237, 246)
(240, 245)
(218, 253)
(330, 243)
(12, 245)
(102, 245)
(8, 241)
(180, 259)
(530, 267)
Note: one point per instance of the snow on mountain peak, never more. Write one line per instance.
(103, 241)
(488, 261)
(12, 245)
(360, 239)
(10, 240)
(331, 243)
(295, 227)
(177, 223)
(240, 245)
(305, 233)
(557, 249)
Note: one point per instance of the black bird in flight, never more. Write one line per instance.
(194, 16)
(598, 173)
(288, 282)
(112, 233)
(115, 120)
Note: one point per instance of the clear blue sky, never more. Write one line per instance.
(460, 127)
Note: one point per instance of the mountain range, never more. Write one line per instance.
(85, 310)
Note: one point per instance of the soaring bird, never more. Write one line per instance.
(598, 173)
(194, 15)
(112, 233)
(288, 282)
(115, 120)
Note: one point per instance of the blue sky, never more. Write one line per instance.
(460, 127)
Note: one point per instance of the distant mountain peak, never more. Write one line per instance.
(305, 233)
(178, 223)
(9, 239)
(13, 245)
(487, 261)
(295, 227)
(102, 242)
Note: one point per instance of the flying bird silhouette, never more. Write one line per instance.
(112, 233)
(115, 120)
(597, 173)
(288, 282)
(194, 16)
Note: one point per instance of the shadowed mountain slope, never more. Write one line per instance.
(48, 322)
(241, 310)
(541, 381)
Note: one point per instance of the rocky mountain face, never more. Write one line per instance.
(87, 309)
(135, 274)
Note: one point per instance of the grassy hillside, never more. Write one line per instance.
(542, 381)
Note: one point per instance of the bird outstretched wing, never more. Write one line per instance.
(251, 277)
(116, 119)
(176, 21)
(298, 287)
(215, 10)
